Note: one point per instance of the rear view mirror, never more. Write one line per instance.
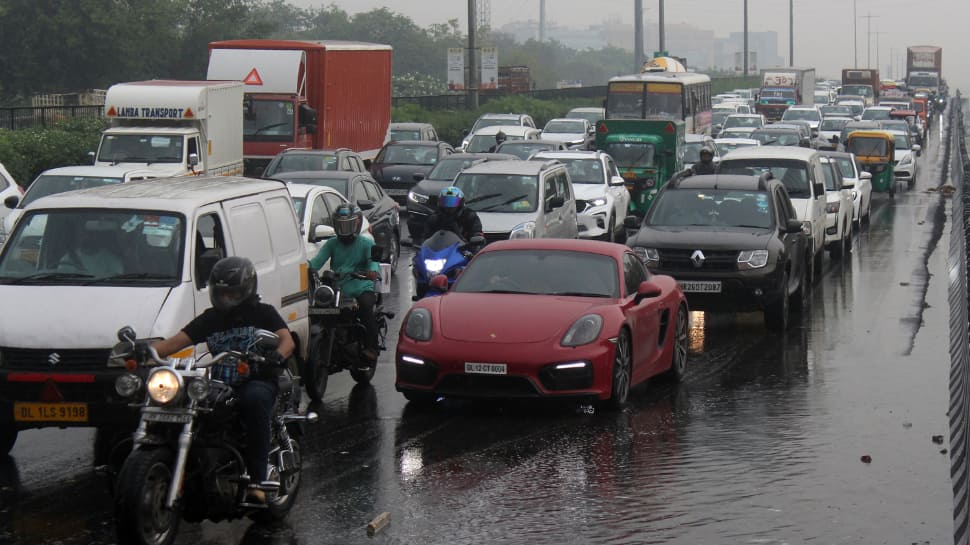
(848, 184)
(555, 202)
(193, 159)
(865, 176)
(647, 289)
(204, 264)
(11, 202)
(266, 341)
(793, 226)
(127, 335)
(322, 232)
(365, 204)
(631, 222)
(617, 180)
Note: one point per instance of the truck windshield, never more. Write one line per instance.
(141, 148)
(787, 94)
(94, 246)
(923, 81)
(631, 154)
(861, 90)
(269, 121)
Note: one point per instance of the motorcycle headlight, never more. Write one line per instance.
(752, 259)
(417, 197)
(197, 390)
(164, 385)
(127, 384)
(524, 230)
(434, 266)
(417, 325)
(650, 257)
(584, 331)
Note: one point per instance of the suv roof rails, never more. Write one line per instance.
(549, 163)
(344, 149)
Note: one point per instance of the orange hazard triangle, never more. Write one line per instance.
(253, 78)
(188, 113)
(669, 129)
(111, 112)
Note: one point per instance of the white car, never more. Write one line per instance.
(829, 131)
(906, 157)
(9, 192)
(574, 133)
(838, 210)
(726, 145)
(484, 139)
(491, 120)
(63, 179)
(590, 113)
(316, 219)
(804, 113)
(752, 121)
(602, 200)
(862, 192)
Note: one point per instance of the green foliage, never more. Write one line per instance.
(28, 152)
(414, 84)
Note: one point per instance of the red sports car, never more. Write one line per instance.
(532, 318)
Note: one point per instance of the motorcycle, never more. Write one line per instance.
(187, 461)
(338, 336)
(443, 253)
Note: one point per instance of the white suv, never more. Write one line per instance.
(838, 210)
(602, 200)
(490, 120)
(800, 169)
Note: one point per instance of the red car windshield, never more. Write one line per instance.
(541, 272)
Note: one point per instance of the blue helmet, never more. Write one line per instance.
(451, 199)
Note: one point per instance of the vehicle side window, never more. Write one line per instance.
(562, 185)
(358, 192)
(4, 183)
(373, 192)
(633, 273)
(251, 233)
(611, 168)
(194, 148)
(283, 227)
(345, 164)
(333, 201)
(319, 213)
(210, 246)
(549, 187)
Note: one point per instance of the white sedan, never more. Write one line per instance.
(315, 206)
(602, 199)
(838, 210)
(862, 192)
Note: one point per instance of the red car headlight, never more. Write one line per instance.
(584, 331)
(417, 325)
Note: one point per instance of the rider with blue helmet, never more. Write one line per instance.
(453, 215)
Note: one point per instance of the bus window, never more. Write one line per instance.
(625, 101)
(665, 99)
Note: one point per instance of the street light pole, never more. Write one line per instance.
(472, 96)
(855, 37)
(791, 32)
(638, 34)
(663, 44)
(745, 38)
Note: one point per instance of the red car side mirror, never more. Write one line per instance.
(647, 289)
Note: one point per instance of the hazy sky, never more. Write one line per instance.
(823, 28)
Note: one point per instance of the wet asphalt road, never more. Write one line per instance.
(761, 444)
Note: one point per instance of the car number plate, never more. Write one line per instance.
(50, 412)
(486, 368)
(701, 286)
(397, 192)
(173, 418)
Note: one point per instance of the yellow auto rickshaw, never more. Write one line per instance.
(875, 151)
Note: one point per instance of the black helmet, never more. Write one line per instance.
(347, 220)
(499, 137)
(232, 282)
(706, 150)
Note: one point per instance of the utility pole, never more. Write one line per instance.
(791, 32)
(869, 19)
(638, 34)
(542, 21)
(471, 101)
(663, 43)
(855, 37)
(892, 63)
(877, 33)
(745, 53)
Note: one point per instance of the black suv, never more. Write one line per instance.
(401, 164)
(733, 242)
(297, 159)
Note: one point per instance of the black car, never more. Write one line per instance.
(734, 243)
(400, 164)
(423, 197)
(360, 188)
(292, 160)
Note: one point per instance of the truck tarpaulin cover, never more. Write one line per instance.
(263, 71)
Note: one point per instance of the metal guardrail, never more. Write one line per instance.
(27, 117)
(957, 164)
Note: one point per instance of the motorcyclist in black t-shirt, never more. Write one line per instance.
(230, 324)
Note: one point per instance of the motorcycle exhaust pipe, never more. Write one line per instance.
(310, 417)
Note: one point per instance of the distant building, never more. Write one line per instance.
(763, 44)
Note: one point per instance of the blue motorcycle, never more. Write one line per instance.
(443, 253)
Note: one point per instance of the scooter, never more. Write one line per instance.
(444, 252)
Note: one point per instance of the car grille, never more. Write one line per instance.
(714, 260)
(43, 358)
(494, 237)
(486, 386)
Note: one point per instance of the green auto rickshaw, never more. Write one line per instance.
(875, 151)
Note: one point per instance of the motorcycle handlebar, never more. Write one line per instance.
(154, 359)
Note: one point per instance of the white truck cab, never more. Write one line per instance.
(80, 265)
(176, 128)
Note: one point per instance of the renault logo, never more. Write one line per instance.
(396, 179)
(697, 258)
(54, 359)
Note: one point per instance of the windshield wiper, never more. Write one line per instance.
(519, 292)
(131, 276)
(50, 275)
(509, 201)
(578, 294)
(483, 197)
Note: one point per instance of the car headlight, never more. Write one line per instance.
(832, 207)
(752, 259)
(524, 230)
(584, 331)
(600, 201)
(434, 266)
(807, 228)
(417, 197)
(417, 325)
(164, 385)
(650, 257)
(127, 384)
(907, 159)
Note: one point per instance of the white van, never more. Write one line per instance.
(80, 265)
(521, 199)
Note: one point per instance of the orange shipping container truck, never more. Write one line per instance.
(307, 94)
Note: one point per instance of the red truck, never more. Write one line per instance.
(307, 94)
